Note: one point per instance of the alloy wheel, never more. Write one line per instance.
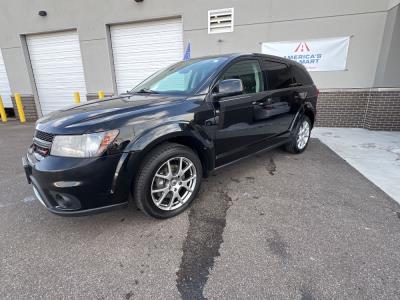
(173, 183)
(303, 135)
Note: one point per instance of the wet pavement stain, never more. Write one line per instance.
(128, 295)
(306, 294)
(207, 220)
(250, 178)
(277, 245)
(271, 167)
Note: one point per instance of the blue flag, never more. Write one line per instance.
(186, 56)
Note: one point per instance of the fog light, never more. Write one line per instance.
(67, 202)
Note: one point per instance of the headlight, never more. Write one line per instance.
(85, 145)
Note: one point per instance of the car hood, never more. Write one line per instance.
(107, 114)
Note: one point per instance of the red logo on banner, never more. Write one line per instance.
(302, 47)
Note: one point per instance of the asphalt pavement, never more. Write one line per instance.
(273, 226)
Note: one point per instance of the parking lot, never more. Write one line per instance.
(274, 225)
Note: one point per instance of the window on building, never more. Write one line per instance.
(278, 75)
(249, 72)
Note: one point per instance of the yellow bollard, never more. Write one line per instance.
(101, 95)
(2, 111)
(20, 108)
(77, 98)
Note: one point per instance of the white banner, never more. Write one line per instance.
(316, 55)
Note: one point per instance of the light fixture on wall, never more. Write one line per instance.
(42, 13)
(138, 1)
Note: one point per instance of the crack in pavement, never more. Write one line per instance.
(207, 220)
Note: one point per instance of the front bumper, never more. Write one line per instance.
(77, 186)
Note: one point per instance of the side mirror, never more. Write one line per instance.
(228, 87)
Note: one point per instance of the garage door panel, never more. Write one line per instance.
(143, 64)
(141, 49)
(144, 38)
(5, 91)
(57, 67)
(148, 28)
(160, 55)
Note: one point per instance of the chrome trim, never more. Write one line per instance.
(42, 143)
(65, 184)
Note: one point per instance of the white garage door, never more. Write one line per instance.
(141, 49)
(57, 69)
(5, 92)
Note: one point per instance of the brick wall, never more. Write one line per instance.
(371, 109)
(28, 102)
(383, 111)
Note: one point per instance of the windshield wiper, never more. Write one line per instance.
(146, 91)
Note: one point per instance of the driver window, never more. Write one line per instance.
(249, 72)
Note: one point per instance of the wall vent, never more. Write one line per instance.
(220, 20)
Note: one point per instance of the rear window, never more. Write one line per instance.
(278, 75)
(301, 75)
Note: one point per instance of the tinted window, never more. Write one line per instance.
(249, 72)
(301, 75)
(278, 75)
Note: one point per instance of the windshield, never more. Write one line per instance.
(182, 78)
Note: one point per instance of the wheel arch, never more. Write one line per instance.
(179, 133)
(309, 111)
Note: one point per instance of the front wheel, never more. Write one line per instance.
(168, 180)
(301, 138)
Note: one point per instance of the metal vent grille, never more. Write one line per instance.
(44, 136)
(220, 20)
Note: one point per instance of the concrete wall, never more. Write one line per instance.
(388, 69)
(256, 21)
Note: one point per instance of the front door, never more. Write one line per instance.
(236, 129)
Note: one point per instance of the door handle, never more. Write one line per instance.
(263, 102)
(300, 96)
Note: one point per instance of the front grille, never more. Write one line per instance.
(42, 143)
(42, 151)
(44, 136)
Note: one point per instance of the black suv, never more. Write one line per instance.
(156, 142)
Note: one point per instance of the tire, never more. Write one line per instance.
(295, 146)
(169, 182)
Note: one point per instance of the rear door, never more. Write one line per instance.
(281, 105)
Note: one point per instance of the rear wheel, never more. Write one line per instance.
(168, 180)
(301, 138)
